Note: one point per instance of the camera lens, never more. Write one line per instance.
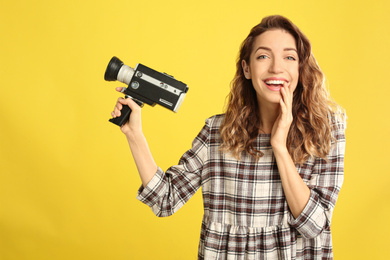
(113, 68)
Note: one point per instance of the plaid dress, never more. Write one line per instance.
(246, 215)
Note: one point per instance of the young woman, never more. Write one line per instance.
(270, 168)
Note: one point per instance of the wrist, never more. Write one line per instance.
(278, 143)
(133, 136)
(279, 149)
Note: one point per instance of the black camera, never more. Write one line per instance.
(145, 85)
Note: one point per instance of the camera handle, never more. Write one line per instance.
(125, 113)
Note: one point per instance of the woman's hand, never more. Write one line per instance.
(134, 124)
(283, 122)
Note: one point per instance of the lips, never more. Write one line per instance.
(275, 84)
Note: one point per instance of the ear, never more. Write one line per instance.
(246, 69)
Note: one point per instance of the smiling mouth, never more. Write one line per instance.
(274, 83)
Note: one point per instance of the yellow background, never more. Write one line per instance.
(67, 179)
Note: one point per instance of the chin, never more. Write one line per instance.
(274, 99)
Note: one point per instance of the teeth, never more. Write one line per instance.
(275, 82)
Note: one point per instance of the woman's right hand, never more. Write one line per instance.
(133, 125)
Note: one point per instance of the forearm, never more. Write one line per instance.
(296, 191)
(143, 158)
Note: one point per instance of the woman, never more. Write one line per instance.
(270, 168)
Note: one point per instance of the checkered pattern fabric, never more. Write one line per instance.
(246, 215)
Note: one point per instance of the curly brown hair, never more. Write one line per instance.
(313, 109)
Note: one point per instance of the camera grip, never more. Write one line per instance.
(125, 114)
(123, 118)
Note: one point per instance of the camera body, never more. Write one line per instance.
(145, 85)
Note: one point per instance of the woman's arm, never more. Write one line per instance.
(168, 191)
(311, 205)
(164, 192)
(296, 191)
(143, 158)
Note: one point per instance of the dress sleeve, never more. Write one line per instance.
(325, 183)
(168, 192)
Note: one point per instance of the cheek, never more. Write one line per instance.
(294, 82)
(295, 76)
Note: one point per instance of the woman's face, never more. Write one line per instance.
(273, 64)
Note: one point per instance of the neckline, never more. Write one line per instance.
(264, 135)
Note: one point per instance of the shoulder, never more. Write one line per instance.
(214, 122)
(212, 127)
(210, 131)
(338, 120)
(338, 124)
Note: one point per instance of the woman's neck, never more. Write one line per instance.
(268, 115)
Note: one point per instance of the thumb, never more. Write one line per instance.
(120, 89)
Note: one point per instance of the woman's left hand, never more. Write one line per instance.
(283, 122)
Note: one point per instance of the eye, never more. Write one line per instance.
(290, 58)
(262, 57)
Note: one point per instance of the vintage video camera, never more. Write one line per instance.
(145, 85)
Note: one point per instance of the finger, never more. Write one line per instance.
(130, 102)
(283, 108)
(288, 101)
(120, 89)
(134, 107)
(287, 93)
(116, 112)
(287, 86)
(118, 107)
(284, 93)
(291, 89)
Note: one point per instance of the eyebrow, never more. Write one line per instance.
(268, 49)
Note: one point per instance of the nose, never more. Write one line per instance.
(276, 66)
